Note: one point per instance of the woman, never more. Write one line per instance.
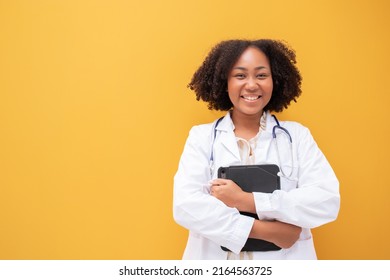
(250, 79)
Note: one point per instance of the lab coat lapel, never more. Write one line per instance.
(265, 140)
(227, 136)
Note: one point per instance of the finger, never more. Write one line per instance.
(212, 191)
(215, 189)
(219, 181)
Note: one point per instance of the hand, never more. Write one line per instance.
(282, 234)
(232, 195)
(285, 235)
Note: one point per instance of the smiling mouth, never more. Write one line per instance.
(251, 98)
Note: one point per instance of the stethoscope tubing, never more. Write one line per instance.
(274, 139)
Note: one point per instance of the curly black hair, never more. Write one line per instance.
(210, 81)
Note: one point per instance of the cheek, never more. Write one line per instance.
(231, 96)
(269, 87)
(233, 88)
(269, 84)
(230, 85)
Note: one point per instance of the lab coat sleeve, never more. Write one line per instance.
(194, 208)
(315, 200)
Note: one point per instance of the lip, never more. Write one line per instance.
(251, 98)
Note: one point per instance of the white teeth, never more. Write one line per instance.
(251, 97)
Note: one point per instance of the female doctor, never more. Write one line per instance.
(250, 79)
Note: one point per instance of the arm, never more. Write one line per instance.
(194, 208)
(312, 201)
(312, 198)
(282, 234)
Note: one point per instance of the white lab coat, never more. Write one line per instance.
(310, 199)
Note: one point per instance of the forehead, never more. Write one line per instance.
(252, 56)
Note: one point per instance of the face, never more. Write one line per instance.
(250, 83)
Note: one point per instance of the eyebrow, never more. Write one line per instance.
(245, 69)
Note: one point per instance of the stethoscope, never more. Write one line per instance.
(274, 140)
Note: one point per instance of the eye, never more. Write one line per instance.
(262, 75)
(239, 76)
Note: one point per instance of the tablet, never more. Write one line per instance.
(254, 178)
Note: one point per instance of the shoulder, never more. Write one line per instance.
(201, 130)
(301, 136)
(199, 139)
(202, 133)
(297, 130)
(207, 129)
(294, 126)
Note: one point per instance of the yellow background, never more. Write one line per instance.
(94, 113)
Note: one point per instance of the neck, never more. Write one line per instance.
(242, 120)
(246, 126)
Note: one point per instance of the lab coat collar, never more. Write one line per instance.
(229, 139)
(226, 124)
(270, 122)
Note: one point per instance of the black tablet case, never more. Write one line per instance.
(253, 178)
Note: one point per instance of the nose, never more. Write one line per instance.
(251, 84)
